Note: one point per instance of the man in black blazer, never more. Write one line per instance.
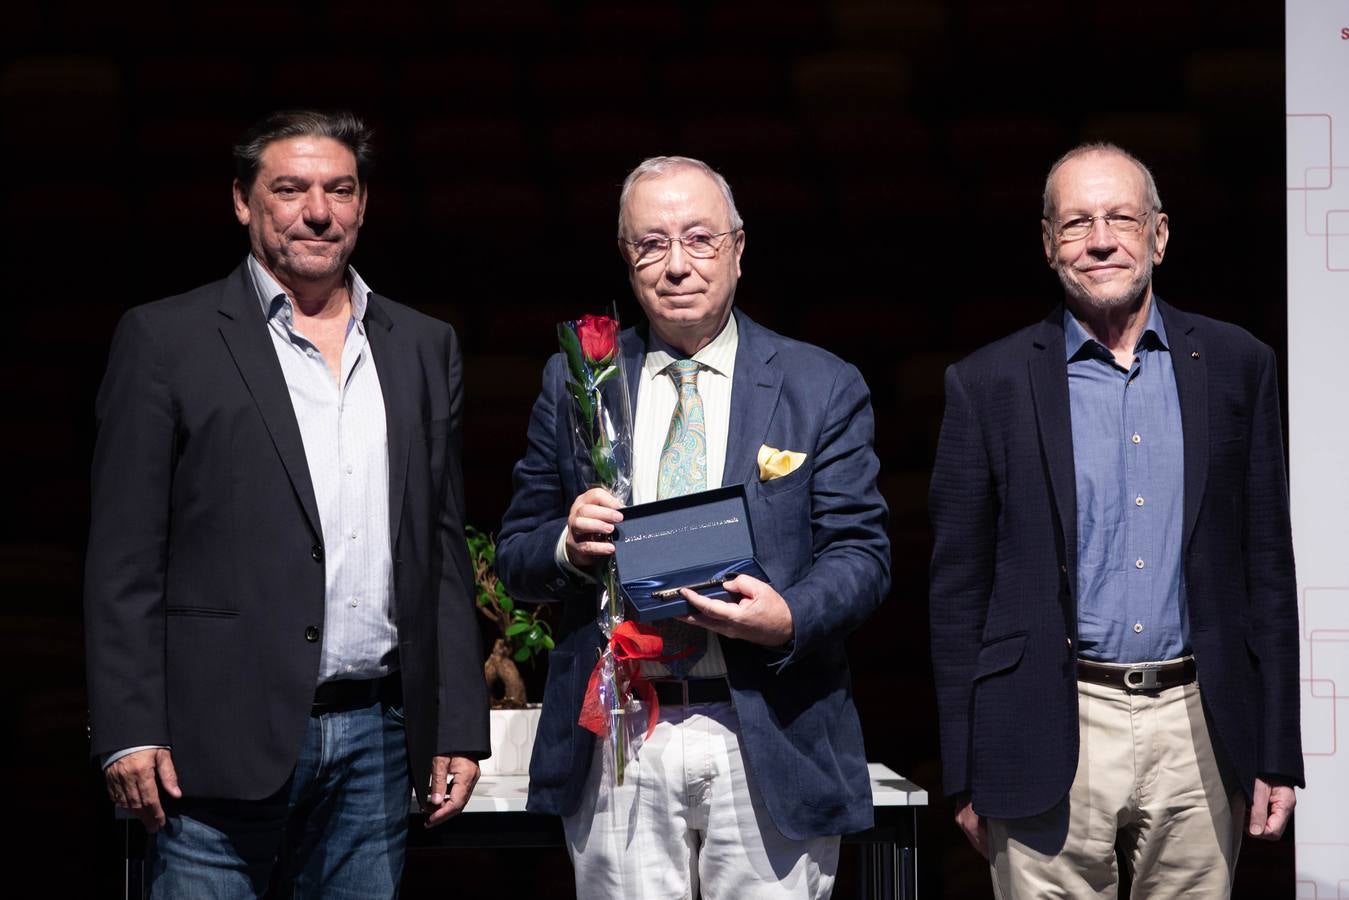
(278, 602)
(1114, 618)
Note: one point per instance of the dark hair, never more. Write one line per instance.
(341, 126)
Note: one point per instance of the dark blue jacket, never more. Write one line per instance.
(820, 534)
(1004, 566)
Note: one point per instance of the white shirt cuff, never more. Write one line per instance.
(560, 555)
(113, 757)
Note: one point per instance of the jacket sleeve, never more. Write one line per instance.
(850, 573)
(461, 690)
(127, 560)
(964, 523)
(526, 558)
(1272, 585)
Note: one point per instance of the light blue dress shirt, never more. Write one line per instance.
(1128, 455)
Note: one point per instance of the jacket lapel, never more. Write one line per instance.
(1049, 389)
(632, 344)
(1191, 372)
(754, 397)
(398, 383)
(244, 328)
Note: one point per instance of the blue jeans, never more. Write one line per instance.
(337, 828)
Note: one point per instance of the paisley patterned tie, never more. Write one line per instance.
(683, 461)
(683, 470)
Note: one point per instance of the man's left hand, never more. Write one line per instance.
(458, 774)
(761, 616)
(1271, 806)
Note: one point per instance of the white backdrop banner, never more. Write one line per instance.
(1317, 103)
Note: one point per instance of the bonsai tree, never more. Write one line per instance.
(523, 634)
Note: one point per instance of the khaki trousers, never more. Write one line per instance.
(1147, 774)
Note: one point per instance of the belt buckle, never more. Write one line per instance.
(1146, 678)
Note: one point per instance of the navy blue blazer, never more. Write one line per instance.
(204, 582)
(820, 534)
(1004, 566)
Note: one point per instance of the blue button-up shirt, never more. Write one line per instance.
(1128, 453)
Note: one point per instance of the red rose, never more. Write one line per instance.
(598, 334)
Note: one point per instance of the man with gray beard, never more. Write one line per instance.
(1112, 595)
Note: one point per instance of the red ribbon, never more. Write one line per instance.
(631, 642)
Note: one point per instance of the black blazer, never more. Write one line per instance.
(1004, 566)
(204, 582)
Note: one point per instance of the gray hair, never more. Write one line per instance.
(663, 165)
(341, 126)
(1154, 199)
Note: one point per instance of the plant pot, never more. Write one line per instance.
(513, 733)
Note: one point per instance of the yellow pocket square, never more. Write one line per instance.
(774, 463)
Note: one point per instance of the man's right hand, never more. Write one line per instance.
(593, 515)
(974, 826)
(134, 782)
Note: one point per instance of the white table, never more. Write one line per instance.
(496, 818)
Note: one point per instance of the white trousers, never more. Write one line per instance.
(1146, 769)
(689, 822)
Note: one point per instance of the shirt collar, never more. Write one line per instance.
(275, 301)
(1077, 344)
(717, 357)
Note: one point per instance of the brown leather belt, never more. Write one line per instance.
(349, 694)
(1138, 677)
(674, 692)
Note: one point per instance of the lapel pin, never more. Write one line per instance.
(1194, 354)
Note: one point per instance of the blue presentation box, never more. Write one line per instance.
(697, 539)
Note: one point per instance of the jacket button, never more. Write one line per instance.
(311, 634)
(317, 553)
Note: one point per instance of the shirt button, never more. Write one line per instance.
(1138, 501)
(1138, 564)
(1138, 628)
(353, 602)
(311, 634)
(353, 535)
(350, 469)
(1136, 439)
(316, 553)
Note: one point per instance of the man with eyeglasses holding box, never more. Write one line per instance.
(1113, 605)
(756, 766)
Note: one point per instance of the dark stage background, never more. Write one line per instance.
(887, 158)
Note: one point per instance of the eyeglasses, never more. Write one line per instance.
(1119, 223)
(698, 243)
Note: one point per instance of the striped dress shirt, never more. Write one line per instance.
(345, 438)
(657, 398)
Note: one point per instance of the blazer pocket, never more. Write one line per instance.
(999, 655)
(201, 612)
(1227, 440)
(788, 482)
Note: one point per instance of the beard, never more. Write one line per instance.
(1131, 295)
